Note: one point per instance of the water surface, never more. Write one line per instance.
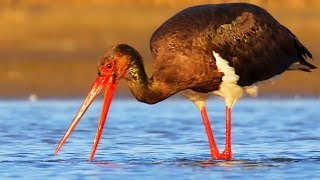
(272, 138)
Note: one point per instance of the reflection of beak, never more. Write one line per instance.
(108, 82)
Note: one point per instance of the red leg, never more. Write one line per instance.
(227, 153)
(213, 147)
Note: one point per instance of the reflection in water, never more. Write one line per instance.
(227, 165)
(109, 164)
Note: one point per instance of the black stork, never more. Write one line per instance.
(221, 49)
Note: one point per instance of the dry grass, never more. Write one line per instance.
(51, 49)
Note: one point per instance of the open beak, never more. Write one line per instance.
(100, 82)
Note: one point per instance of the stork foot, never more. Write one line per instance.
(226, 155)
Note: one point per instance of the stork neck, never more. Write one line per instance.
(146, 89)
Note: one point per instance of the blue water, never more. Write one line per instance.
(272, 139)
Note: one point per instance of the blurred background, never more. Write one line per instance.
(51, 48)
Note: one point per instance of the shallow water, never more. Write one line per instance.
(272, 138)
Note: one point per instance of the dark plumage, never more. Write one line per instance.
(247, 36)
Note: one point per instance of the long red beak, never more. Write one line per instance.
(100, 82)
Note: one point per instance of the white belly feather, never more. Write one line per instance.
(229, 89)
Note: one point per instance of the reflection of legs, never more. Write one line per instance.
(227, 153)
(213, 147)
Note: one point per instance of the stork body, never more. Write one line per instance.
(221, 49)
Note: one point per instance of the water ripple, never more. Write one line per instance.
(164, 141)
